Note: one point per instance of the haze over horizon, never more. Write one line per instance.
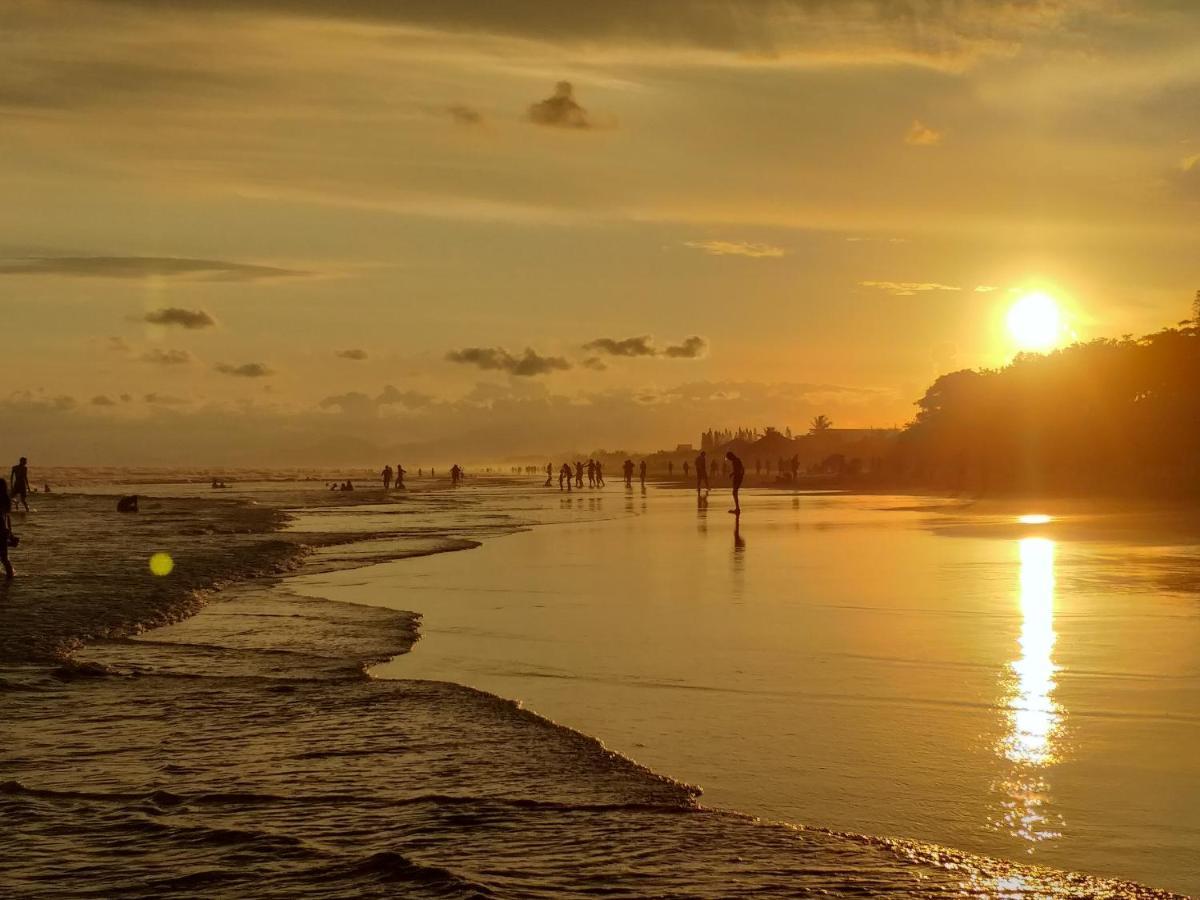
(284, 230)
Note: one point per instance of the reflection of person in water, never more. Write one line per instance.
(736, 475)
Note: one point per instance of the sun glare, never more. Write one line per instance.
(1035, 322)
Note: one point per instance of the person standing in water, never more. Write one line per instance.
(400, 473)
(564, 475)
(642, 472)
(578, 474)
(591, 470)
(549, 474)
(685, 469)
(5, 529)
(628, 469)
(19, 479)
(737, 473)
(702, 471)
(387, 477)
(599, 474)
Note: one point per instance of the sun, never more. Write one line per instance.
(1035, 322)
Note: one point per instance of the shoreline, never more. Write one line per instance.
(315, 642)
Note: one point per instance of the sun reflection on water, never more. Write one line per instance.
(1031, 740)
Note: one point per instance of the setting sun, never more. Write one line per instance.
(1035, 322)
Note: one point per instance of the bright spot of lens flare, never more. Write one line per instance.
(1035, 322)
(161, 564)
(1034, 519)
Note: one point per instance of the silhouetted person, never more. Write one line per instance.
(564, 476)
(642, 472)
(702, 471)
(400, 473)
(599, 474)
(455, 475)
(128, 504)
(736, 475)
(19, 479)
(578, 474)
(387, 477)
(7, 538)
(685, 468)
(549, 473)
(591, 470)
(628, 469)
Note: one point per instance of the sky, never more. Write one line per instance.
(308, 231)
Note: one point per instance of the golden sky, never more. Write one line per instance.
(295, 230)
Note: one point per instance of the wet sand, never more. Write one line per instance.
(241, 751)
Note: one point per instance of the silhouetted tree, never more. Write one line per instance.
(820, 424)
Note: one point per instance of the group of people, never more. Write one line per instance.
(569, 477)
(398, 474)
(393, 479)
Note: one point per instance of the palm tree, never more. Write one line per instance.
(820, 424)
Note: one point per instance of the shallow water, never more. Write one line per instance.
(1025, 690)
(240, 752)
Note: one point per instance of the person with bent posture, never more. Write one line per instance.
(737, 473)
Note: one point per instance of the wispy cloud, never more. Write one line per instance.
(353, 353)
(167, 357)
(497, 358)
(737, 248)
(692, 348)
(463, 114)
(245, 370)
(165, 400)
(921, 135)
(986, 288)
(909, 288)
(143, 267)
(102, 400)
(191, 319)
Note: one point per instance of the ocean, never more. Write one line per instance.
(501, 692)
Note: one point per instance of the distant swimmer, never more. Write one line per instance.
(19, 481)
(549, 474)
(564, 475)
(7, 538)
(387, 477)
(702, 471)
(627, 467)
(642, 472)
(736, 475)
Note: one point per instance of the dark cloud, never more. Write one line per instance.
(530, 363)
(633, 346)
(245, 370)
(167, 357)
(165, 400)
(143, 267)
(102, 400)
(594, 362)
(352, 403)
(560, 110)
(118, 345)
(353, 353)
(185, 318)
(464, 115)
(127, 398)
(691, 348)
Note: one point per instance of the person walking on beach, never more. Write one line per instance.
(564, 475)
(627, 468)
(737, 473)
(455, 475)
(549, 473)
(702, 471)
(591, 470)
(400, 473)
(578, 474)
(19, 479)
(387, 478)
(642, 472)
(6, 535)
(599, 474)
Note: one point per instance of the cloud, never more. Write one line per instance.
(530, 363)
(118, 345)
(560, 110)
(921, 135)
(464, 115)
(102, 400)
(143, 267)
(352, 403)
(353, 353)
(245, 370)
(594, 362)
(393, 396)
(167, 357)
(737, 248)
(633, 346)
(908, 288)
(986, 288)
(191, 319)
(691, 348)
(165, 400)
